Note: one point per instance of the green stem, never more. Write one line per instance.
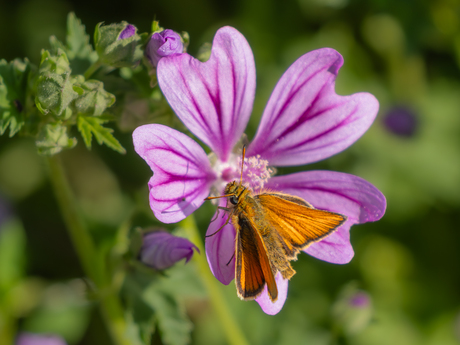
(92, 69)
(234, 334)
(111, 308)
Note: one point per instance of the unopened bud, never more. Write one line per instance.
(163, 44)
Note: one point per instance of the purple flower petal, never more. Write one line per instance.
(305, 120)
(127, 32)
(162, 44)
(220, 247)
(269, 307)
(161, 249)
(213, 99)
(338, 192)
(39, 339)
(182, 172)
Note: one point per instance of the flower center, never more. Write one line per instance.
(256, 172)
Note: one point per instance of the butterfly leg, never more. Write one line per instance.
(217, 214)
(226, 222)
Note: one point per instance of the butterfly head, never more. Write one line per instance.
(234, 191)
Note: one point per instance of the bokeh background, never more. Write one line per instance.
(407, 53)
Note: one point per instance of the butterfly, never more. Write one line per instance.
(271, 230)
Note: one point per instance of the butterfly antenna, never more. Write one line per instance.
(242, 165)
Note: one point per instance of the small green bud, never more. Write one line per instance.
(93, 98)
(118, 45)
(54, 84)
(53, 139)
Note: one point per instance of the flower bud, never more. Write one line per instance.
(162, 44)
(401, 121)
(128, 31)
(54, 85)
(118, 45)
(161, 249)
(39, 339)
(352, 311)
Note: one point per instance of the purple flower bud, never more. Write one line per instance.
(360, 300)
(162, 44)
(161, 249)
(353, 310)
(127, 32)
(401, 121)
(39, 339)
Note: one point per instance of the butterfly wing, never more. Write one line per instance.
(297, 222)
(253, 268)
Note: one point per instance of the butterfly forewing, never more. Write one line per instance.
(252, 265)
(297, 222)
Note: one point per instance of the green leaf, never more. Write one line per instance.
(53, 139)
(139, 316)
(79, 50)
(93, 125)
(14, 78)
(173, 322)
(94, 100)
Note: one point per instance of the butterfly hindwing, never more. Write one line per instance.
(253, 268)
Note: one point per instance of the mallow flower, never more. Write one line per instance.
(304, 121)
(161, 250)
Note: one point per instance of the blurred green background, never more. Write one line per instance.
(407, 53)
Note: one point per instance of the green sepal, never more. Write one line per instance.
(14, 77)
(156, 27)
(93, 100)
(88, 125)
(185, 37)
(54, 85)
(53, 139)
(117, 52)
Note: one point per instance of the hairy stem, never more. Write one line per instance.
(92, 69)
(234, 334)
(84, 246)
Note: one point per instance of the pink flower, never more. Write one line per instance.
(304, 121)
(161, 249)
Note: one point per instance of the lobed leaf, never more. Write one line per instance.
(77, 48)
(173, 322)
(89, 126)
(13, 90)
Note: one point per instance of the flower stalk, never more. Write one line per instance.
(84, 246)
(234, 334)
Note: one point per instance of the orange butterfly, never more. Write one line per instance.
(271, 229)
